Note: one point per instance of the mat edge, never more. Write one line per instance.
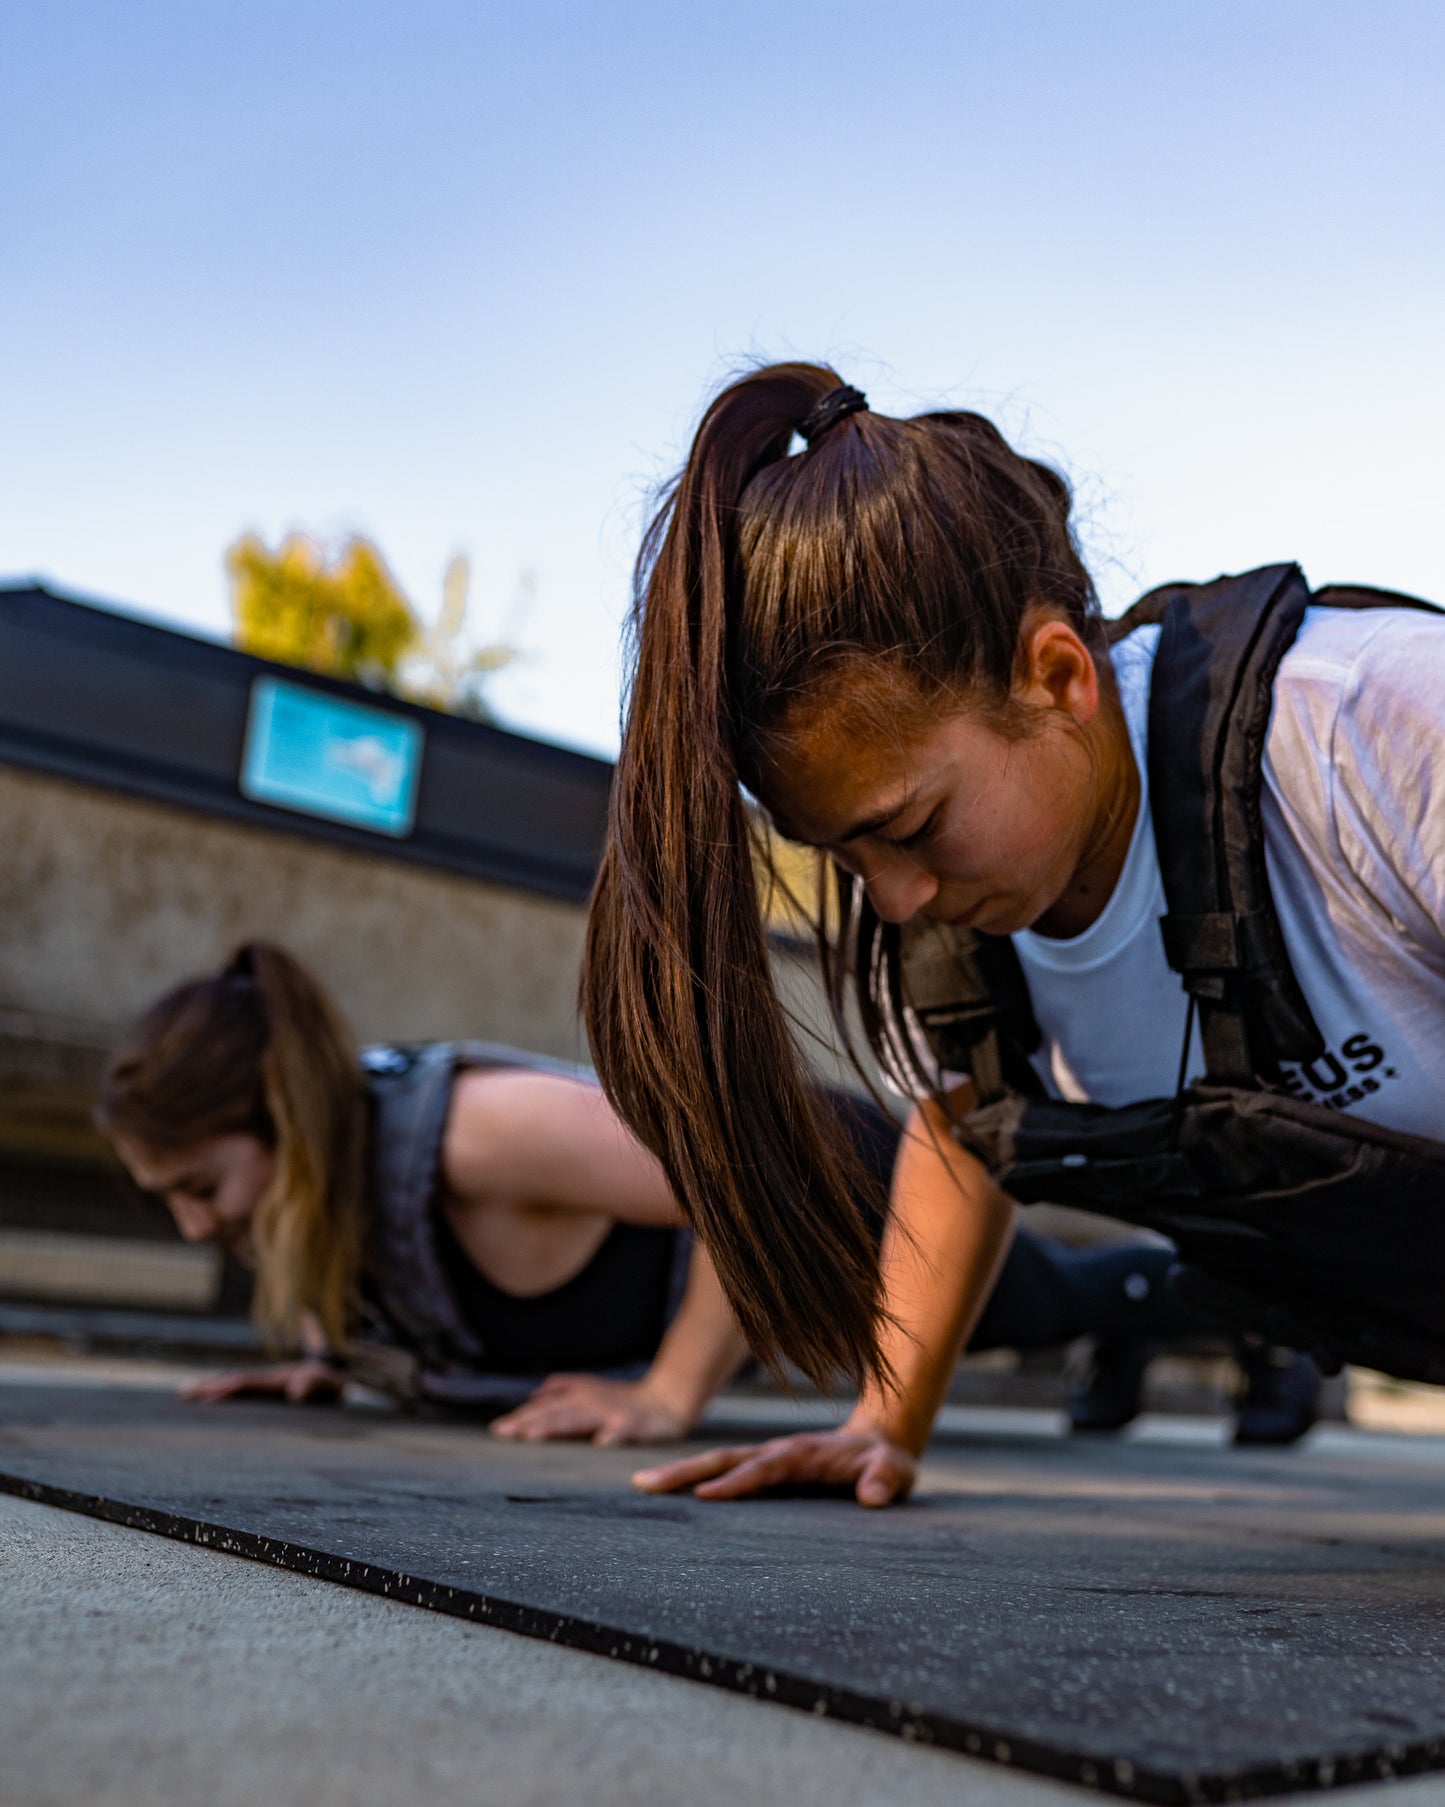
(755, 1681)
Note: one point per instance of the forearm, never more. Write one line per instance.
(948, 1231)
(702, 1348)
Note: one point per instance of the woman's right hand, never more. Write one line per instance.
(292, 1381)
(878, 1472)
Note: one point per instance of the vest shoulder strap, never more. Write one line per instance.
(411, 1091)
(1220, 646)
(1210, 703)
(1363, 596)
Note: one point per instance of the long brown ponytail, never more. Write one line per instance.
(910, 546)
(259, 1049)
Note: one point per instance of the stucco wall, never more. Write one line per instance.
(106, 900)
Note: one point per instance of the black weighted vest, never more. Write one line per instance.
(414, 1340)
(1311, 1226)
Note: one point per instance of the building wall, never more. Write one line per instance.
(105, 901)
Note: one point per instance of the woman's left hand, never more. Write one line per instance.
(586, 1405)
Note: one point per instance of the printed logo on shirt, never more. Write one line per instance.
(1340, 1076)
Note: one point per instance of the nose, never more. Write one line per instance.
(899, 888)
(196, 1222)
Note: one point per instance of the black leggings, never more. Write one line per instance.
(611, 1316)
(1050, 1293)
(1046, 1292)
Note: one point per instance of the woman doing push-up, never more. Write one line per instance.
(467, 1224)
(1149, 917)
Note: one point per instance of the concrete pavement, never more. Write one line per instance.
(138, 1670)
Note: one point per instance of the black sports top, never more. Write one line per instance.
(610, 1315)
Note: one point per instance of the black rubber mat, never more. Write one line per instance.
(1172, 1622)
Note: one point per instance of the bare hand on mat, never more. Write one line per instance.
(877, 1471)
(586, 1405)
(294, 1381)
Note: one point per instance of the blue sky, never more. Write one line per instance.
(459, 276)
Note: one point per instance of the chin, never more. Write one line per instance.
(998, 916)
(1006, 919)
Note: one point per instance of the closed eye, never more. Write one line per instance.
(922, 833)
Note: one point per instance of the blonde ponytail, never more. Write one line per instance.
(308, 1227)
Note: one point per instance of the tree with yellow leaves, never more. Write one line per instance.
(347, 616)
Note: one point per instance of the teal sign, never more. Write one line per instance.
(326, 757)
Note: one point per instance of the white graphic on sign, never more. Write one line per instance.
(381, 769)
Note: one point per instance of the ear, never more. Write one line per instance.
(1057, 671)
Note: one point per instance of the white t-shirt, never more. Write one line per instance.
(1354, 834)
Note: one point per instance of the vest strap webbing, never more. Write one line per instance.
(1210, 698)
(969, 997)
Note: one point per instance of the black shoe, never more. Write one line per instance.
(1111, 1395)
(1281, 1398)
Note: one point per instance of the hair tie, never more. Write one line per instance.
(836, 405)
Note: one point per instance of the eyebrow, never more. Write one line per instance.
(881, 819)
